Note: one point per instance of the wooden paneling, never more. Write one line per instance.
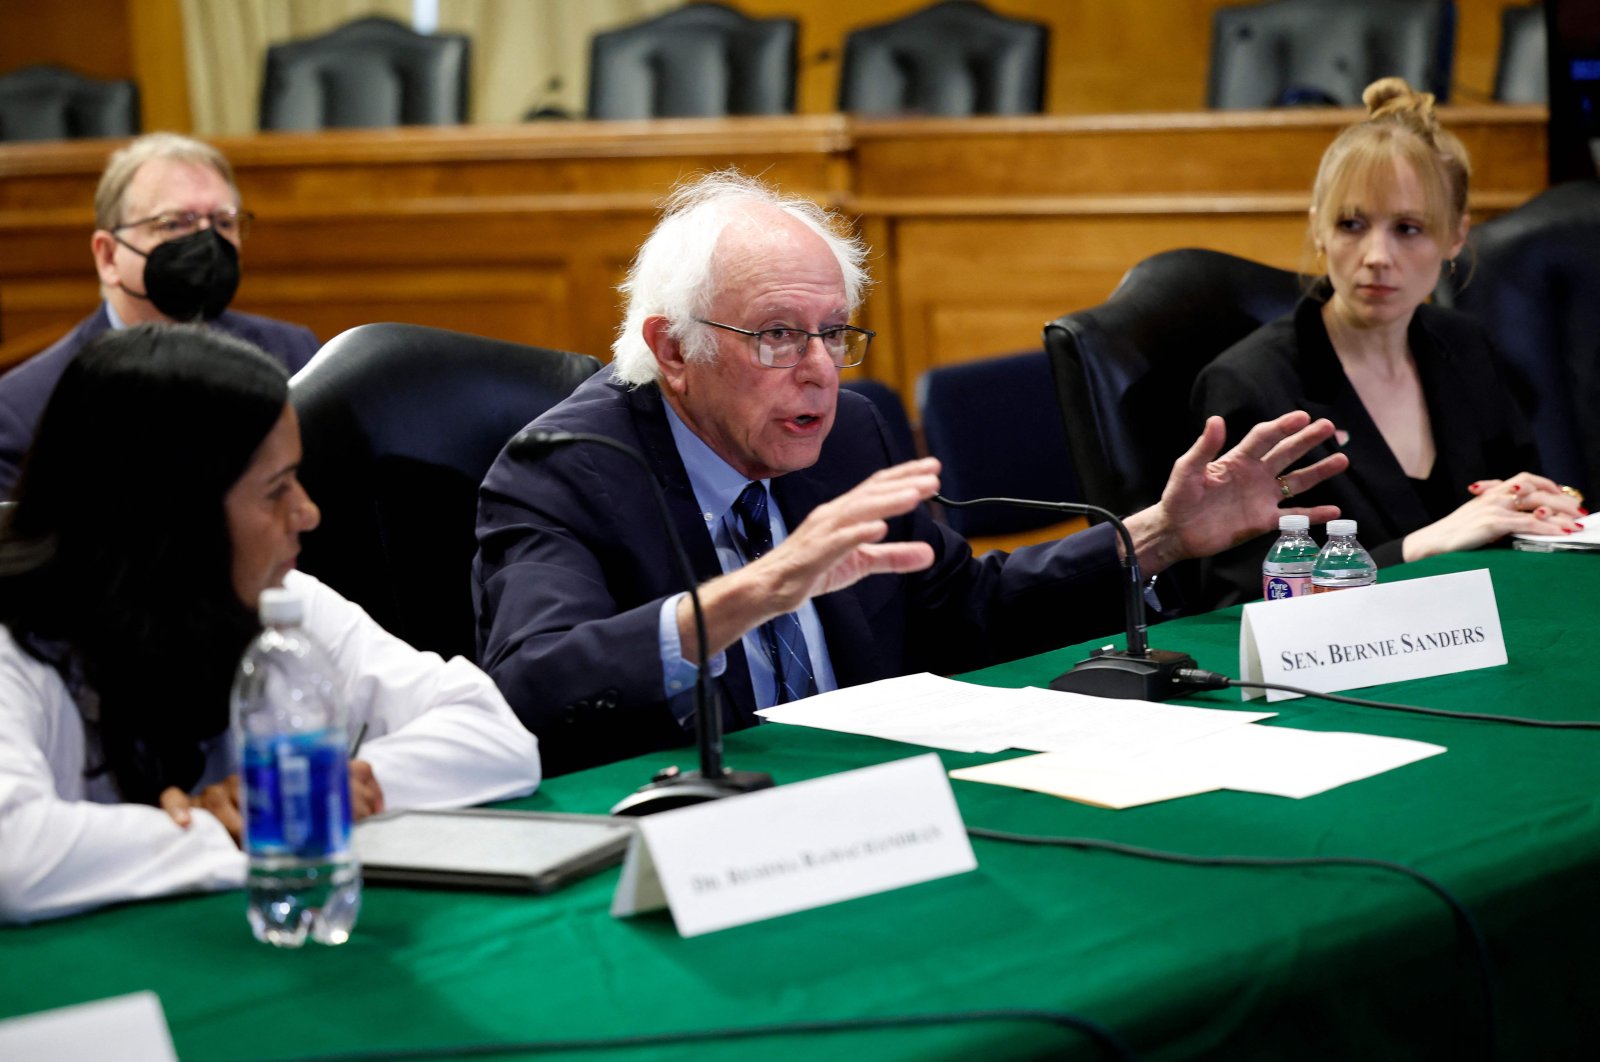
(160, 64)
(1106, 56)
(981, 230)
(91, 36)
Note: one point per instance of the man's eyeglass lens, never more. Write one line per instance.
(234, 224)
(784, 348)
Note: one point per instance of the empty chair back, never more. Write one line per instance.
(1288, 52)
(954, 58)
(902, 441)
(1520, 75)
(372, 72)
(995, 426)
(1124, 369)
(400, 424)
(53, 103)
(1532, 283)
(700, 61)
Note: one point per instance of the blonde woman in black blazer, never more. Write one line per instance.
(1439, 451)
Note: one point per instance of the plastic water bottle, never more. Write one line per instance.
(1342, 562)
(289, 732)
(1287, 569)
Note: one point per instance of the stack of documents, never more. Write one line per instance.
(1110, 753)
(1585, 541)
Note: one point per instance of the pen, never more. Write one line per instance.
(355, 746)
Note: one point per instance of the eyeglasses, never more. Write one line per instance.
(233, 224)
(784, 348)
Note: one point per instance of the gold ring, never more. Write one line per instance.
(1572, 492)
(1283, 485)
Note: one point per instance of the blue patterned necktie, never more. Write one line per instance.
(784, 641)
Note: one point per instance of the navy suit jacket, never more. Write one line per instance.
(573, 564)
(1478, 430)
(25, 390)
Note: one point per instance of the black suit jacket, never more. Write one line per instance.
(26, 389)
(1478, 430)
(573, 565)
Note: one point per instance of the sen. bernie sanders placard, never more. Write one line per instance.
(1369, 635)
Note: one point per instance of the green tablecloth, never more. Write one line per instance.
(1183, 962)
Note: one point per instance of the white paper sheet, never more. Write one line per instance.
(1585, 540)
(1067, 777)
(946, 714)
(1096, 730)
(920, 709)
(1283, 761)
(1275, 760)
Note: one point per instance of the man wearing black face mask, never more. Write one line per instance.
(168, 225)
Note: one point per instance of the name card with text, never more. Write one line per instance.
(773, 852)
(1371, 635)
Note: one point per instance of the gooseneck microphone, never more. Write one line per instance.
(1136, 673)
(671, 787)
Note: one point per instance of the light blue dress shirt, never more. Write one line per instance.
(716, 486)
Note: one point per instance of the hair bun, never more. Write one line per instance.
(1392, 97)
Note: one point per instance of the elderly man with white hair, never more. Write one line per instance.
(820, 566)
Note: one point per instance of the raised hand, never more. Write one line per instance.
(1212, 502)
(838, 544)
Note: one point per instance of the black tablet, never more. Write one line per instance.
(483, 848)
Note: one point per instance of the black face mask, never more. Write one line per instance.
(190, 279)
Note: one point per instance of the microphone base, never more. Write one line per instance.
(672, 788)
(1114, 673)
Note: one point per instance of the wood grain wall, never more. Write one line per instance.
(982, 230)
(1107, 56)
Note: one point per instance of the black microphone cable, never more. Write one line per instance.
(1198, 679)
(1469, 931)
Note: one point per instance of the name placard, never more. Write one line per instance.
(777, 851)
(1370, 635)
(135, 1023)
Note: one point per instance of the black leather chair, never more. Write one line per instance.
(996, 427)
(1519, 74)
(370, 72)
(902, 441)
(1533, 283)
(400, 424)
(700, 61)
(53, 103)
(1123, 369)
(954, 58)
(1288, 52)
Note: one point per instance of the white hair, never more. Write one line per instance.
(674, 274)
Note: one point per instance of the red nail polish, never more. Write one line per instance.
(1474, 487)
(1515, 487)
(1541, 511)
(1582, 511)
